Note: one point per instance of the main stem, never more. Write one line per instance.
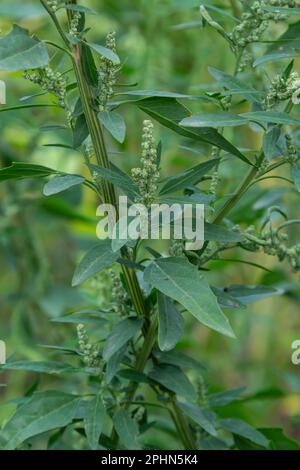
(96, 133)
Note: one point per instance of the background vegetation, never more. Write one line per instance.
(163, 46)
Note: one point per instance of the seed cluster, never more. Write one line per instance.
(282, 89)
(293, 153)
(147, 175)
(119, 295)
(50, 81)
(176, 248)
(74, 25)
(107, 73)
(90, 352)
(273, 242)
(53, 5)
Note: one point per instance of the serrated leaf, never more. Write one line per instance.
(127, 429)
(43, 412)
(120, 335)
(187, 177)
(97, 258)
(61, 183)
(181, 281)
(170, 323)
(20, 51)
(94, 420)
(241, 428)
(172, 378)
(114, 123)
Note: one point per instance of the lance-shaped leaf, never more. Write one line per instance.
(186, 178)
(295, 173)
(43, 412)
(117, 178)
(20, 51)
(274, 117)
(241, 428)
(46, 367)
(214, 120)
(127, 429)
(172, 378)
(24, 170)
(104, 52)
(114, 123)
(97, 258)
(61, 183)
(205, 418)
(170, 323)
(236, 86)
(180, 280)
(94, 420)
(169, 112)
(120, 335)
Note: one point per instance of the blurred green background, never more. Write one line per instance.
(41, 239)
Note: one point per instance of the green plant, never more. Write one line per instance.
(143, 317)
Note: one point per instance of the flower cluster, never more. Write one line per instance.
(282, 89)
(107, 73)
(74, 25)
(90, 352)
(273, 242)
(50, 81)
(176, 248)
(53, 5)
(292, 155)
(119, 295)
(255, 21)
(214, 183)
(147, 175)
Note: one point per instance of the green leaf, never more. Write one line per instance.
(81, 131)
(236, 86)
(214, 120)
(120, 335)
(203, 417)
(97, 258)
(61, 183)
(104, 52)
(187, 177)
(25, 170)
(295, 172)
(218, 233)
(43, 412)
(179, 359)
(117, 178)
(94, 420)
(114, 123)
(80, 8)
(170, 323)
(279, 441)
(127, 429)
(47, 367)
(154, 93)
(286, 11)
(169, 112)
(250, 294)
(112, 365)
(180, 280)
(20, 51)
(227, 397)
(241, 428)
(267, 117)
(172, 378)
(285, 53)
(271, 145)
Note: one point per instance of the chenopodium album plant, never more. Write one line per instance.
(137, 358)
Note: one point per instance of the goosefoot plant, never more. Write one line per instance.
(143, 320)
